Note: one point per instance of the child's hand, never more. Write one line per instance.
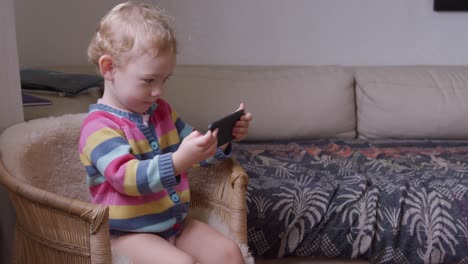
(193, 149)
(241, 129)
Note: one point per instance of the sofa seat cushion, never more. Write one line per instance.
(412, 102)
(293, 102)
(387, 201)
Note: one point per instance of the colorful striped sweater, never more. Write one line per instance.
(129, 167)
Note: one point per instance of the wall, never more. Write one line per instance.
(319, 32)
(358, 32)
(11, 111)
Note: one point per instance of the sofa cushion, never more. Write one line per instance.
(412, 102)
(293, 102)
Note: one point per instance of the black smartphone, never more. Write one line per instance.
(225, 126)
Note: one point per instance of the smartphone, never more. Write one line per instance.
(225, 126)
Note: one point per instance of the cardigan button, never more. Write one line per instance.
(175, 198)
(154, 145)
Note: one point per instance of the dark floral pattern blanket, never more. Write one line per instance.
(385, 201)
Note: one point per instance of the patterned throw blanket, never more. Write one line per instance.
(384, 201)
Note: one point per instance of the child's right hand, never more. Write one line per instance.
(193, 149)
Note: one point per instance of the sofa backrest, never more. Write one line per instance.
(412, 102)
(295, 102)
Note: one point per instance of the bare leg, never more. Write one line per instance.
(144, 248)
(207, 245)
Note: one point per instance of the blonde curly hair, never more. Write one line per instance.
(132, 27)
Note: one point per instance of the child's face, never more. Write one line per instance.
(141, 81)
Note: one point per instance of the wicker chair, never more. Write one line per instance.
(40, 168)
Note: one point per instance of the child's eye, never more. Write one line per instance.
(148, 80)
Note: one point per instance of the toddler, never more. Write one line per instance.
(136, 149)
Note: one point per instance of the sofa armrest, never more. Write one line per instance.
(222, 189)
(54, 228)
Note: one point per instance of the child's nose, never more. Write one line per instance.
(156, 91)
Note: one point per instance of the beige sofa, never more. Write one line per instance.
(356, 104)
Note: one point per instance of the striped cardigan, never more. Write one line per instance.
(129, 167)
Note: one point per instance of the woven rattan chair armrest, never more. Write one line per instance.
(64, 229)
(239, 181)
(91, 213)
(221, 188)
(238, 175)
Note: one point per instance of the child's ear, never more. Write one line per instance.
(106, 67)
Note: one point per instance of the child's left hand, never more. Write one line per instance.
(241, 128)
